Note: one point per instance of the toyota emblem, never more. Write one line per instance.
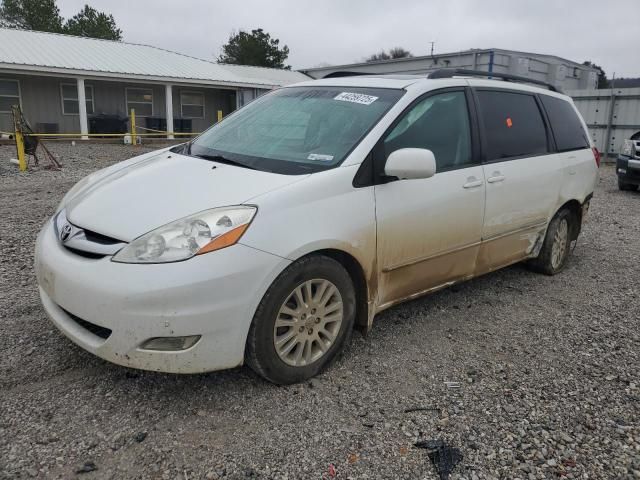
(65, 233)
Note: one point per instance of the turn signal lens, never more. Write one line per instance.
(224, 240)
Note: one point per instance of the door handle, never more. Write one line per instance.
(472, 182)
(497, 177)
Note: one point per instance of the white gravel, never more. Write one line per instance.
(547, 370)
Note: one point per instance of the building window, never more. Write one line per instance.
(9, 94)
(141, 100)
(70, 99)
(192, 104)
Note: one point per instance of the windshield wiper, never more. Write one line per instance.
(222, 159)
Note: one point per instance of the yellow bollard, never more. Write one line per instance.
(219, 115)
(133, 127)
(22, 162)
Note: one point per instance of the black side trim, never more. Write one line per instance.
(364, 176)
(551, 139)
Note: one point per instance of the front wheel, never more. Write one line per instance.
(303, 321)
(557, 244)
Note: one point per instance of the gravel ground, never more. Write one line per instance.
(547, 371)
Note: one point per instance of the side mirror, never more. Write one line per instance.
(411, 163)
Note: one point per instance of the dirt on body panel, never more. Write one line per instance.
(400, 283)
(502, 251)
(411, 280)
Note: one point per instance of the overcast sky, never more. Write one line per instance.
(346, 31)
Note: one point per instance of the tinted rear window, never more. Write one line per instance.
(566, 126)
(512, 123)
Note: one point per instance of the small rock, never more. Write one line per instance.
(565, 438)
(87, 467)
(140, 436)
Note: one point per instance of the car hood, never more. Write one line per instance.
(143, 195)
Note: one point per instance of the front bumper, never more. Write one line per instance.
(628, 170)
(213, 295)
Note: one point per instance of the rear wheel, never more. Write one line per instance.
(303, 322)
(627, 186)
(557, 244)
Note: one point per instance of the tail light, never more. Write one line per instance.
(596, 156)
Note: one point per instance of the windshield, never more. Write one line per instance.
(296, 130)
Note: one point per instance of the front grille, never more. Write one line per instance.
(82, 253)
(82, 242)
(92, 238)
(97, 330)
(96, 237)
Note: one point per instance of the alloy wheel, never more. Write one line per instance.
(308, 322)
(560, 243)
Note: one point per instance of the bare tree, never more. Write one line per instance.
(396, 52)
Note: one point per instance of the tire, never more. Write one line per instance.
(311, 332)
(555, 251)
(627, 187)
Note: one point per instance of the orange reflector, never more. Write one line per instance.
(224, 240)
(509, 122)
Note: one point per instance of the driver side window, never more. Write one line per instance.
(439, 123)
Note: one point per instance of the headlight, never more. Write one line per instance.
(194, 235)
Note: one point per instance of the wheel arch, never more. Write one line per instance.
(575, 207)
(358, 277)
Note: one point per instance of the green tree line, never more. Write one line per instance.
(44, 16)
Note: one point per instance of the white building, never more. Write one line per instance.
(564, 74)
(64, 83)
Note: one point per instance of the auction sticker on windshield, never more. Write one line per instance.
(321, 157)
(356, 98)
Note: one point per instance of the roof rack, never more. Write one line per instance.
(344, 73)
(461, 72)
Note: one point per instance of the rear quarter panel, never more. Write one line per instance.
(579, 176)
(580, 172)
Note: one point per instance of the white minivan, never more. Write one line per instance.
(270, 237)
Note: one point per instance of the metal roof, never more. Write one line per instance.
(28, 50)
(444, 55)
(367, 81)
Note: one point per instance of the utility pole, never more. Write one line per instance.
(432, 44)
